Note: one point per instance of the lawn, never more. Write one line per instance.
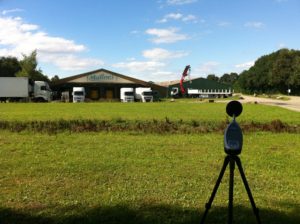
(110, 176)
(186, 111)
(136, 178)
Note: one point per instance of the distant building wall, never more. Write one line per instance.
(201, 87)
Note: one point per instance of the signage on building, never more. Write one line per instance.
(101, 77)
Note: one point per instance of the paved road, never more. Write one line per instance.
(292, 104)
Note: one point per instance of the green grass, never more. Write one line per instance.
(185, 111)
(135, 178)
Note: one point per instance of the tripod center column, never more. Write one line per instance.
(231, 184)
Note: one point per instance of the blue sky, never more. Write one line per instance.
(149, 40)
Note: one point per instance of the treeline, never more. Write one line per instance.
(274, 73)
(26, 67)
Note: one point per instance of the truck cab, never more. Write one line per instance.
(78, 94)
(144, 94)
(41, 92)
(174, 92)
(127, 95)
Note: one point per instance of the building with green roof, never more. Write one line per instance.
(201, 87)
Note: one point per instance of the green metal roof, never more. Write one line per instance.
(202, 83)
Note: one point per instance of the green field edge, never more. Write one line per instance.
(146, 126)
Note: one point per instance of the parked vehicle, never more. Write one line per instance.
(127, 94)
(78, 94)
(23, 89)
(143, 94)
(174, 92)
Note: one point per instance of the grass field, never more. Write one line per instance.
(143, 111)
(137, 177)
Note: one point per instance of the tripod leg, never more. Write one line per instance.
(231, 183)
(255, 209)
(208, 204)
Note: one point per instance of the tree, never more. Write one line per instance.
(54, 78)
(273, 73)
(281, 70)
(29, 68)
(229, 78)
(9, 66)
(294, 79)
(212, 77)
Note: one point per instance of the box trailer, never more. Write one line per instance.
(21, 89)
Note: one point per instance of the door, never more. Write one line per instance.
(109, 94)
(94, 94)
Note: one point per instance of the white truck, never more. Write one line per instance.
(143, 94)
(78, 94)
(22, 89)
(174, 92)
(127, 94)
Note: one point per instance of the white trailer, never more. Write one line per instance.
(19, 88)
(12, 87)
(143, 94)
(209, 93)
(127, 94)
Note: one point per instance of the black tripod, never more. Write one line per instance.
(231, 159)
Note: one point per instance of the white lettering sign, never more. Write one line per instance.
(101, 77)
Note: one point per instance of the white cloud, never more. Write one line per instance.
(224, 24)
(130, 59)
(164, 75)
(18, 37)
(154, 67)
(282, 45)
(146, 70)
(206, 68)
(5, 12)
(139, 66)
(134, 32)
(256, 25)
(166, 35)
(157, 54)
(170, 16)
(190, 18)
(245, 65)
(178, 16)
(72, 62)
(180, 2)
(28, 27)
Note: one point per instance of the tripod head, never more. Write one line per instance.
(233, 136)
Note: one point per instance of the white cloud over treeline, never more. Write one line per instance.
(18, 37)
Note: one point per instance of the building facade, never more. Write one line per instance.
(102, 84)
(202, 88)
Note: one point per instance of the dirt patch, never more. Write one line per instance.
(292, 104)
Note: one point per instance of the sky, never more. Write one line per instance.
(152, 40)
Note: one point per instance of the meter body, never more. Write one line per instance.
(233, 139)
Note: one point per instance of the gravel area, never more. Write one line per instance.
(292, 104)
